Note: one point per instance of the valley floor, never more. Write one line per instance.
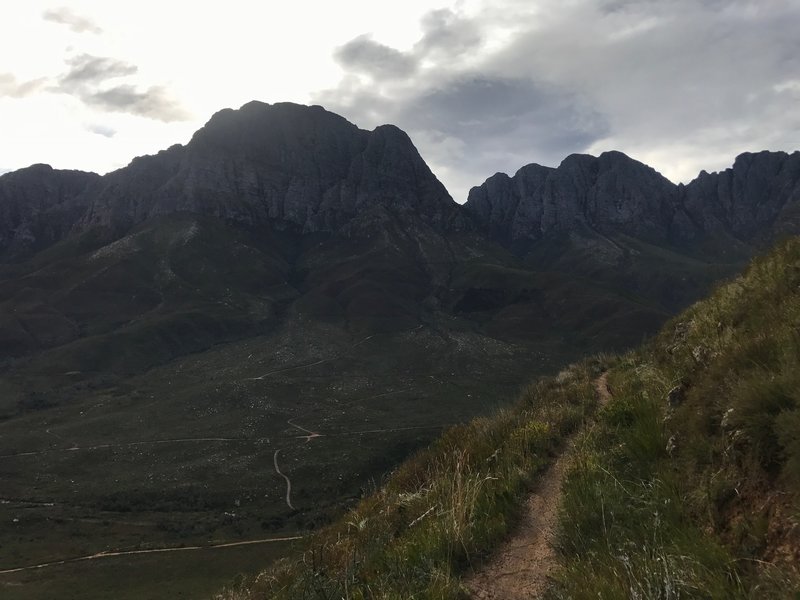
(103, 481)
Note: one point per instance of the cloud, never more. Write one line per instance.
(446, 31)
(10, 87)
(367, 56)
(86, 69)
(468, 120)
(77, 23)
(680, 81)
(681, 84)
(103, 130)
(153, 103)
(87, 79)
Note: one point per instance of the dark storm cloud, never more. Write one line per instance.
(683, 84)
(65, 16)
(475, 124)
(699, 75)
(12, 88)
(483, 106)
(498, 121)
(365, 55)
(468, 121)
(88, 80)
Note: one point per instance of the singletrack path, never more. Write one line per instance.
(521, 568)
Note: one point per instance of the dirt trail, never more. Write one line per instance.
(113, 553)
(288, 481)
(521, 568)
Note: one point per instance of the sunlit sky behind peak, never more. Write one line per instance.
(481, 86)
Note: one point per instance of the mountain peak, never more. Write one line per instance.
(257, 125)
(287, 164)
(607, 192)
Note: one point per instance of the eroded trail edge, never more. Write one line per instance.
(522, 566)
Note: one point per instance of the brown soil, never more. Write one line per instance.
(521, 567)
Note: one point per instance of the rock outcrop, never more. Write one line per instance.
(287, 164)
(39, 205)
(613, 193)
(758, 196)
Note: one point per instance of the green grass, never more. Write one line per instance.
(687, 486)
(440, 511)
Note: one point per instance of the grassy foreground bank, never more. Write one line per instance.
(689, 484)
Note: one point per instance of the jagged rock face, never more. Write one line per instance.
(38, 206)
(306, 169)
(285, 163)
(607, 193)
(760, 192)
(616, 194)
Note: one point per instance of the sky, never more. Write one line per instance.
(481, 86)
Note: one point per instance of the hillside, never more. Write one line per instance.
(233, 340)
(684, 484)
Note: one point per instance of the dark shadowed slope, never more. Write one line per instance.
(168, 328)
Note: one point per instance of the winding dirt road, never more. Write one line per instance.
(132, 444)
(522, 566)
(288, 481)
(112, 553)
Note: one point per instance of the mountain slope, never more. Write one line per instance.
(619, 223)
(688, 483)
(288, 295)
(700, 489)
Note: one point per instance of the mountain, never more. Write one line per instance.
(299, 166)
(39, 206)
(288, 294)
(289, 165)
(619, 223)
(614, 194)
(607, 194)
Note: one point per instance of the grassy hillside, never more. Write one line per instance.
(686, 485)
(689, 486)
(150, 386)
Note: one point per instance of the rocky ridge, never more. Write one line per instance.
(309, 170)
(299, 166)
(38, 207)
(613, 193)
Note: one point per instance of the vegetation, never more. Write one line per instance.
(685, 485)
(440, 510)
(688, 485)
